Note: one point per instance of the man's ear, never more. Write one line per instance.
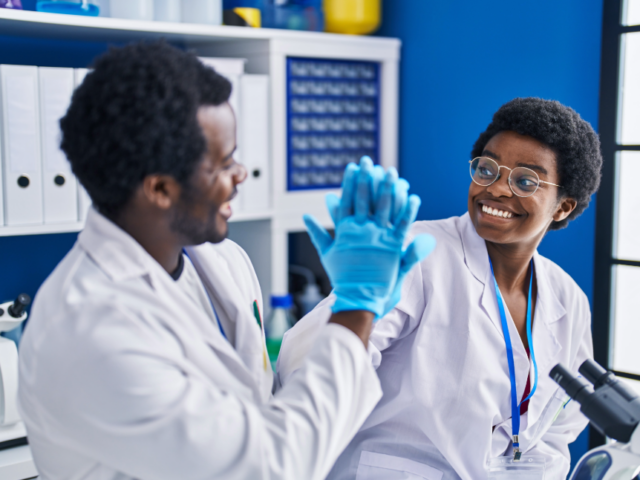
(567, 205)
(161, 191)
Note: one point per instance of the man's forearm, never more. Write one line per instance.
(358, 321)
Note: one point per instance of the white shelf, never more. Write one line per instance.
(251, 217)
(41, 229)
(77, 226)
(51, 25)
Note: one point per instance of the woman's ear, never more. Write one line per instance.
(567, 205)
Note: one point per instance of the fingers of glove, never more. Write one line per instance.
(400, 195)
(385, 198)
(377, 179)
(348, 191)
(417, 251)
(407, 217)
(319, 236)
(363, 190)
(333, 205)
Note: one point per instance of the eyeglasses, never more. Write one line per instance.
(523, 181)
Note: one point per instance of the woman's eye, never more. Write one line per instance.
(527, 182)
(484, 171)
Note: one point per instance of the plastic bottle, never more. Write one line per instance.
(279, 321)
(85, 8)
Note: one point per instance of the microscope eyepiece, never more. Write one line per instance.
(19, 305)
(576, 387)
(612, 407)
(594, 373)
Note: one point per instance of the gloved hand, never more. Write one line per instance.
(366, 262)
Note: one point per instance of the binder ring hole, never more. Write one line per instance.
(23, 181)
(256, 173)
(59, 180)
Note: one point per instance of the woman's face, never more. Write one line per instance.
(529, 217)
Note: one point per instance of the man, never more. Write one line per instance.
(143, 357)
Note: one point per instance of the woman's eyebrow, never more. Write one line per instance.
(489, 153)
(533, 167)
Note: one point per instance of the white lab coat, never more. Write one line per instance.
(441, 359)
(123, 377)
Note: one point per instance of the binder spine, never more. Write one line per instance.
(21, 145)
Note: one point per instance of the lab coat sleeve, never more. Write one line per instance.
(554, 444)
(148, 413)
(403, 319)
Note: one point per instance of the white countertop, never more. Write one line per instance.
(17, 464)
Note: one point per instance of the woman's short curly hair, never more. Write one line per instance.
(134, 115)
(576, 145)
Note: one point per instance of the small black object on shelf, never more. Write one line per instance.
(19, 305)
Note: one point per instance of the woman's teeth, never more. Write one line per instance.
(496, 213)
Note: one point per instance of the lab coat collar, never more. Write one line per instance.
(121, 257)
(114, 250)
(476, 258)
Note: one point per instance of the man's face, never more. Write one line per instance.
(204, 207)
(531, 216)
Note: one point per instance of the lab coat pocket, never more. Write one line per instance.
(377, 466)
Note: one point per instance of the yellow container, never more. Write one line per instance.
(354, 17)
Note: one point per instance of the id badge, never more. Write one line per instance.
(504, 468)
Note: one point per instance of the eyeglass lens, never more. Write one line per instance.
(523, 181)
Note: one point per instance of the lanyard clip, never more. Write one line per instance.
(517, 454)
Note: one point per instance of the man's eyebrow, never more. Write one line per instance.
(230, 155)
(533, 167)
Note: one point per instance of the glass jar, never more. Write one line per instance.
(208, 12)
(85, 8)
(294, 15)
(132, 9)
(12, 4)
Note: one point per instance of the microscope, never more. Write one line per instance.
(614, 410)
(12, 431)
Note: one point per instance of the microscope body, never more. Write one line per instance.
(614, 410)
(11, 427)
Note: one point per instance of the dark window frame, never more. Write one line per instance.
(612, 31)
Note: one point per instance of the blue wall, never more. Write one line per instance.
(462, 60)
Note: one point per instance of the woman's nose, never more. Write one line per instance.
(501, 188)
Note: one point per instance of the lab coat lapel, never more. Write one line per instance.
(476, 258)
(546, 346)
(230, 289)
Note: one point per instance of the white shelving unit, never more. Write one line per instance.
(263, 235)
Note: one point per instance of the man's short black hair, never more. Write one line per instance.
(576, 145)
(134, 115)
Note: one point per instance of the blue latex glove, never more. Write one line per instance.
(366, 262)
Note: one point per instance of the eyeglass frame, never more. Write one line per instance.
(509, 177)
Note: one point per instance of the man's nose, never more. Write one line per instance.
(240, 174)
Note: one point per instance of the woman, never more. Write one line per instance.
(441, 354)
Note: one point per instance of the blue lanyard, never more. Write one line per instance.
(215, 313)
(515, 406)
